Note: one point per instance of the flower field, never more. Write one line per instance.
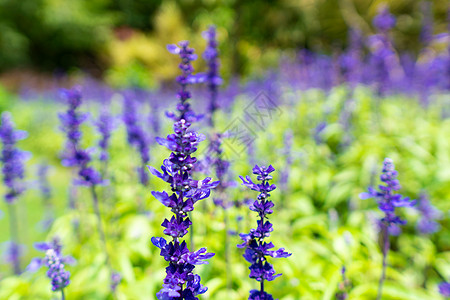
(338, 165)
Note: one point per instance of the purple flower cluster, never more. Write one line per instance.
(213, 80)
(55, 262)
(256, 249)
(214, 160)
(387, 200)
(429, 214)
(73, 155)
(444, 289)
(136, 135)
(184, 108)
(105, 125)
(176, 170)
(384, 20)
(12, 158)
(180, 282)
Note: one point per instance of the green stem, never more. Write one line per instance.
(386, 244)
(13, 228)
(63, 297)
(227, 251)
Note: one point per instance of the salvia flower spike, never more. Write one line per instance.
(186, 78)
(213, 79)
(55, 262)
(13, 174)
(180, 282)
(256, 249)
(387, 203)
(74, 155)
(12, 158)
(136, 135)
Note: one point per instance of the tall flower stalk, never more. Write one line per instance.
(256, 249)
(136, 135)
(387, 203)
(55, 262)
(79, 159)
(213, 80)
(105, 125)
(13, 174)
(180, 282)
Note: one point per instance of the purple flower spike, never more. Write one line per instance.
(212, 78)
(136, 135)
(384, 21)
(444, 289)
(55, 262)
(256, 250)
(12, 158)
(429, 215)
(180, 281)
(73, 155)
(184, 108)
(387, 203)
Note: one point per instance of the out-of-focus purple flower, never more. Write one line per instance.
(213, 80)
(115, 280)
(444, 289)
(12, 253)
(73, 155)
(184, 108)
(287, 153)
(384, 20)
(43, 183)
(387, 200)
(12, 158)
(351, 61)
(136, 135)
(105, 125)
(55, 262)
(256, 249)
(318, 132)
(429, 214)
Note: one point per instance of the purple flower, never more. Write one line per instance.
(213, 79)
(429, 214)
(115, 280)
(73, 155)
(387, 200)
(444, 289)
(256, 249)
(105, 126)
(55, 262)
(135, 135)
(12, 158)
(184, 108)
(384, 20)
(180, 281)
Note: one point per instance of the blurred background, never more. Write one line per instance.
(123, 41)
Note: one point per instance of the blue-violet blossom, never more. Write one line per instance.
(180, 282)
(256, 249)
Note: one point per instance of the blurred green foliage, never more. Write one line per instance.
(62, 35)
